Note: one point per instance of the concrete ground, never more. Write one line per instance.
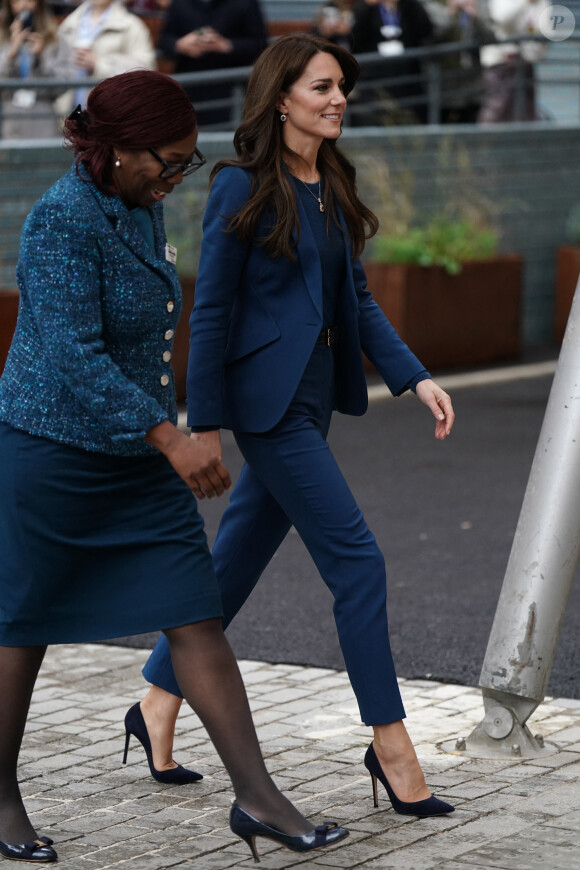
(512, 814)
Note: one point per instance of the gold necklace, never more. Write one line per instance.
(317, 198)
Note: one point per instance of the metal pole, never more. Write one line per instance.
(539, 574)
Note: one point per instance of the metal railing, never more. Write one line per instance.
(431, 83)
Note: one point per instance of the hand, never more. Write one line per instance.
(214, 41)
(36, 43)
(197, 460)
(18, 37)
(200, 42)
(191, 44)
(440, 403)
(85, 58)
(214, 478)
(338, 27)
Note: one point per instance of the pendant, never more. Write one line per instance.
(320, 206)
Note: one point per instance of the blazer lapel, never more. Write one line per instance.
(128, 231)
(347, 250)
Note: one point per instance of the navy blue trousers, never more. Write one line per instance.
(290, 477)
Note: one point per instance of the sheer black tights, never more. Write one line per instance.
(210, 681)
(18, 671)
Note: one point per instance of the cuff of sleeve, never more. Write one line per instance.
(131, 435)
(412, 384)
(204, 428)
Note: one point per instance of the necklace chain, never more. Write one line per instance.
(317, 198)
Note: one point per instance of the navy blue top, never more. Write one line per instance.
(330, 244)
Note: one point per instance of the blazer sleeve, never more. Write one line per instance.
(222, 260)
(60, 270)
(381, 343)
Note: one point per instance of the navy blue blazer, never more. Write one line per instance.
(256, 320)
(88, 364)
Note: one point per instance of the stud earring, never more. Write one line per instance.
(118, 162)
(282, 118)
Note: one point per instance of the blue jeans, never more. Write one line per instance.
(290, 477)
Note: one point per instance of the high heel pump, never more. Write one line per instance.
(431, 806)
(35, 851)
(135, 724)
(248, 828)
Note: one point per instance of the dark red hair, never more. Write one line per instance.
(135, 110)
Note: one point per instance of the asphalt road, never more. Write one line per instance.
(444, 515)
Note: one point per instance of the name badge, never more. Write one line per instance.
(171, 254)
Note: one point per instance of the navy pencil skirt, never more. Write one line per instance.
(94, 546)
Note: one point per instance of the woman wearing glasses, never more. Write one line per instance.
(281, 314)
(99, 531)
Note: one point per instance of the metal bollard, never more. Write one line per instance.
(539, 574)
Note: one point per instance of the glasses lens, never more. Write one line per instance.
(192, 167)
(171, 169)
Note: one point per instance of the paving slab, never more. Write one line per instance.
(511, 814)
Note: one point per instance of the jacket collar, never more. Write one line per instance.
(125, 227)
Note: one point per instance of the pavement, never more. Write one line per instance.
(512, 814)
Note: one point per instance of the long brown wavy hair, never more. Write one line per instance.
(260, 148)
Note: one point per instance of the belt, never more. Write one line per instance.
(328, 337)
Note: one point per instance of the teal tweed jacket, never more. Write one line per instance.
(89, 364)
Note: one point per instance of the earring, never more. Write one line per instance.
(282, 118)
(118, 162)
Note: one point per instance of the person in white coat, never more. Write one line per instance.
(107, 40)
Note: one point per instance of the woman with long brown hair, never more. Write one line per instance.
(280, 318)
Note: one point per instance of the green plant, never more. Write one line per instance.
(459, 226)
(441, 242)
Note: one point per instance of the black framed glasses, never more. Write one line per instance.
(171, 169)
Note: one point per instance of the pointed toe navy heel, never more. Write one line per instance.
(35, 851)
(135, 725)
(248, 828)
(431, 806)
